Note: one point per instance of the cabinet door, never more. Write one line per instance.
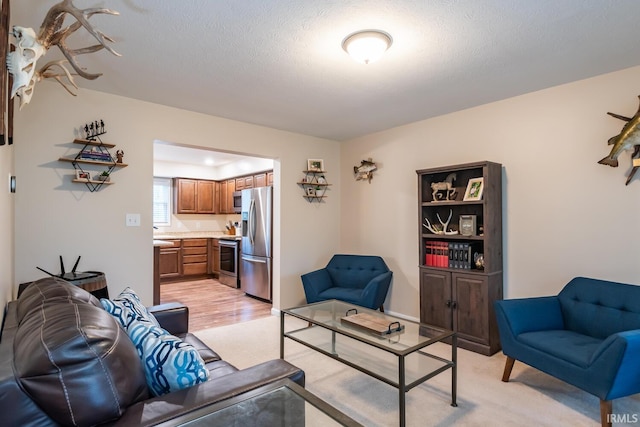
(231, 187)
(239, 184)
(205, 196)
(215, 257)
(471, 314)
(435, 298)
(248, 182)
(223, 197)
(270, 178)
(260, 180)
(186, 194)
(170, 263)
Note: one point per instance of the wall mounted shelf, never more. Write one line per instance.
(98, 149)
(314, 185)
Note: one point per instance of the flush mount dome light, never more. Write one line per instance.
(367, 46)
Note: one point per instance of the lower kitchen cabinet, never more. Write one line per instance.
(195, 253)
(462, 302)
(170, 263)
(214, 257)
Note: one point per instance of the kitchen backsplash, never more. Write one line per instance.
(199, 222)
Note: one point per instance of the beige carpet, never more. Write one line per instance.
(531, 398)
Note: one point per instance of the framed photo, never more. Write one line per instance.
(83, 175)
(315, 165)
(311, 192)
(474, 189)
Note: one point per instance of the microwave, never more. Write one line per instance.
(237, 201)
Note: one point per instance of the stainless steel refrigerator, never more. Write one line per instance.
(255, 267)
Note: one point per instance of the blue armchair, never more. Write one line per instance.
(588, 336)
(357, 279)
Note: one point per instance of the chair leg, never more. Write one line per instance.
(606, 408)
(508, 366)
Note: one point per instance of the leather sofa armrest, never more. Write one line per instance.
(173, 316)
(162, 408)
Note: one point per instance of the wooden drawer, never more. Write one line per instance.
(190, 259)
(193, 269)
(194, 242)
(194, 251)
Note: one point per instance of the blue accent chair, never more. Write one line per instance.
(588, 336)
(357, 279)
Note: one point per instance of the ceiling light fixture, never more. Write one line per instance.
(367, 46)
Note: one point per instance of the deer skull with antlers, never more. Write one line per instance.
(29, 48)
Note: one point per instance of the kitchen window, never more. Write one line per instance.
(161, 202)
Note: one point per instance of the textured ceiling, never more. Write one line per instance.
(279, 63)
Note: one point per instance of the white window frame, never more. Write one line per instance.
(164, 182)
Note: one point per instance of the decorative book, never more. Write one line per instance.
(373, 324)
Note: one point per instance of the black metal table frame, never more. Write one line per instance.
(401, 385)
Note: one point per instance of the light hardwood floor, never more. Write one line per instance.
(213, 304)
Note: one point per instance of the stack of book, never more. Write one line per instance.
(100, 156)
(450, 254)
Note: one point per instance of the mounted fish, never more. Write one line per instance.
(31, 47)
(628, 138)
(365, 170)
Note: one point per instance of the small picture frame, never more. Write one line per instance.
(315, 165)
(83, 175)
(475, 186)
(311, 192)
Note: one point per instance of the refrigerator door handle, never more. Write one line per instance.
(252, 221)
(259, 261)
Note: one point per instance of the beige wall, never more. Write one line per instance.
(564, 215)
(6, 225)
(56, 217)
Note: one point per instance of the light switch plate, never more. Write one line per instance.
(133, 220)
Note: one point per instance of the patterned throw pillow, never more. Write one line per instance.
(170, 364)
(127, 308)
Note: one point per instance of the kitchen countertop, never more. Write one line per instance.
(161, 243)
(195, 235)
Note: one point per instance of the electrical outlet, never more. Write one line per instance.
(133, 220)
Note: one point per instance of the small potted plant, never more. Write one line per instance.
(104, 176)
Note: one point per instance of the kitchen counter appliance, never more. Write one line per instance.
(228, 262)
(255, 270)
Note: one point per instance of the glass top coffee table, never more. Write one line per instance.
(397, 356)
(282, 403)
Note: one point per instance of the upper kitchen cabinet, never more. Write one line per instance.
(194, 196)
(206, 197)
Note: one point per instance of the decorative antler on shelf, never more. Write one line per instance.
(435, 229)
(31, 47)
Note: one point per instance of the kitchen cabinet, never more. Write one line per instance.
(170, 262)
(260, 180)
(458, 293)
(244, 182)
(194, 196)
(270, 178)
(214, 257)
(195, 253)
(231, 187)
(206, 197)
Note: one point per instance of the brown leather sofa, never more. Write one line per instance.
(66, 361)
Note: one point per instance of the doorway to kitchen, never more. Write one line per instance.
(212, 301)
